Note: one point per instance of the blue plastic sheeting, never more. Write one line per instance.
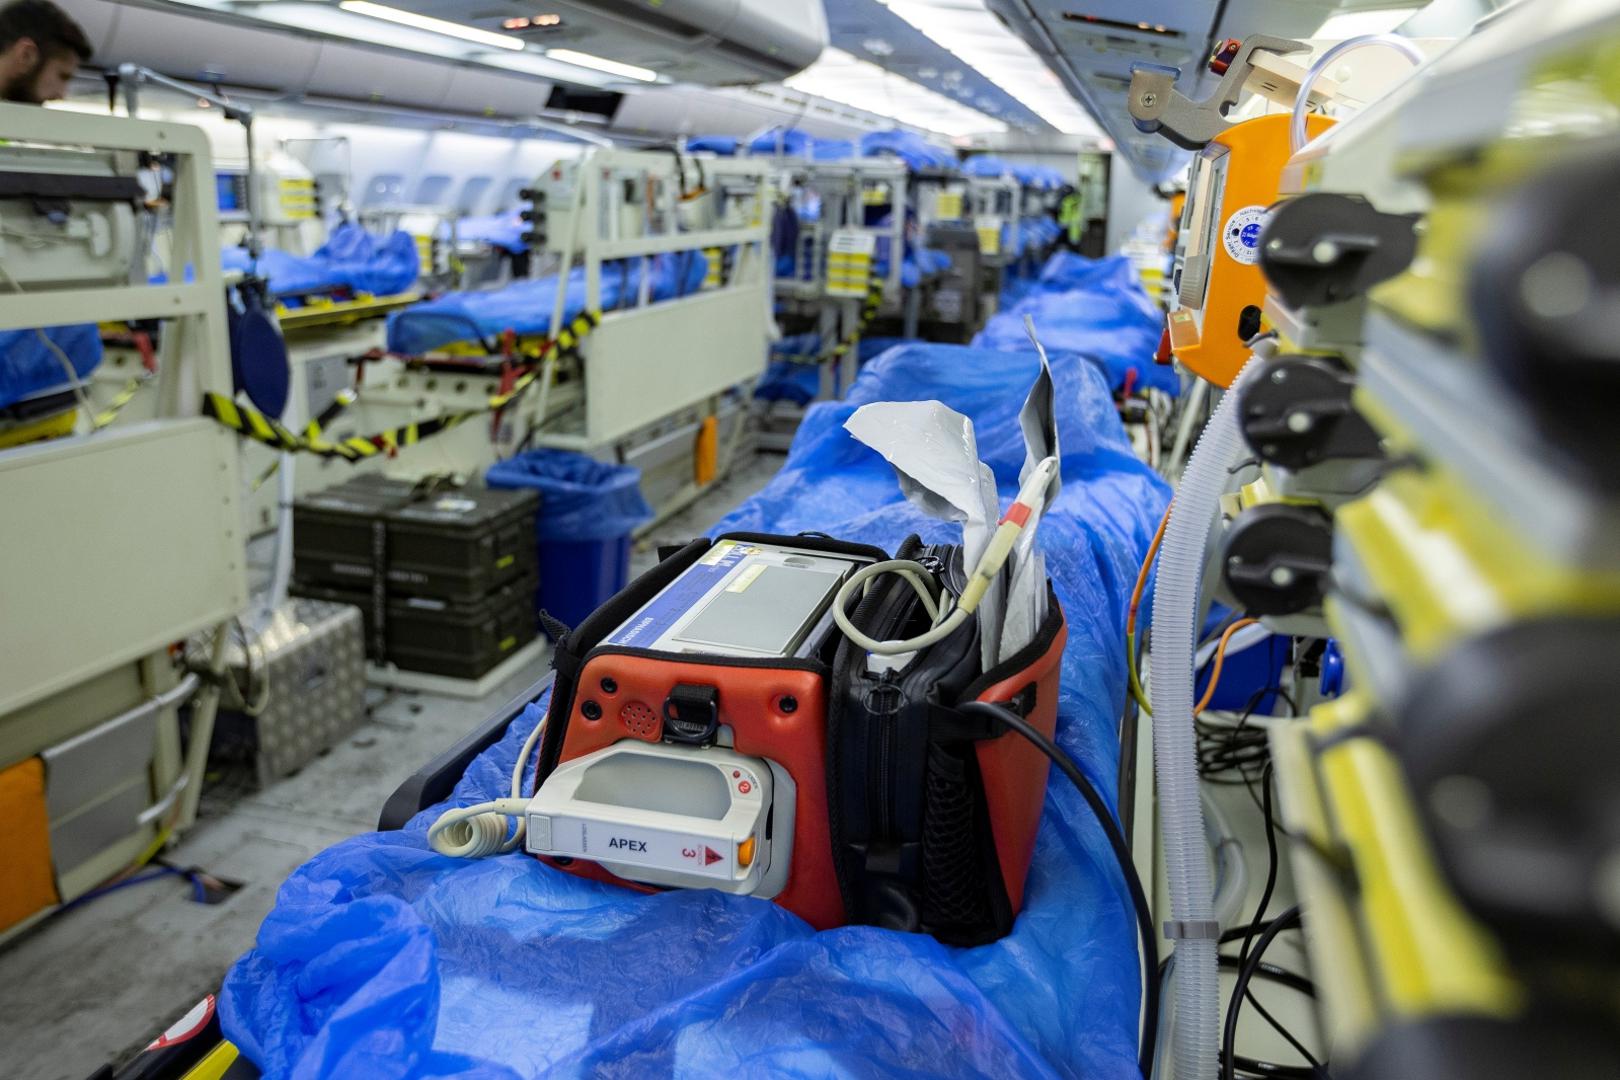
(785, 380)
(791, 142)
(29, 367)
(1093, 307)
(384, 960)
(986, 165)
(1039, 177)
(504, 231)
(351, 260)
(525, 306)
(720, 145)
(911, 148)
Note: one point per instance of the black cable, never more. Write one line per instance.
(1286, 921)
(1122, 853)
(1260, 914)
(1281, 976)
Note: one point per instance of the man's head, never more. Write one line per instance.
(40, 49)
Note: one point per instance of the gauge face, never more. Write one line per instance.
(1241, 235)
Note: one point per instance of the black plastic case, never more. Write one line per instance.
(457, 544)
(458, 639)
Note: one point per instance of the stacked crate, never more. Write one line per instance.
(444, 576)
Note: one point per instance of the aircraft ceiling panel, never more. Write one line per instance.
(1093, 45)
(869, 31)
(185, 47)
(381, 78)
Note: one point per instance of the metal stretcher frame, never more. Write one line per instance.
(645, 362)
(167, 488)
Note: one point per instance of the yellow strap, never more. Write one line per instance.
(249, 421)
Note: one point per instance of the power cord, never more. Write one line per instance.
(1122, 853)
(1031, 496)
(473, 832)
(1286, 921)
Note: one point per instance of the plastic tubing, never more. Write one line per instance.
(1296, 126)
(1195, 1040)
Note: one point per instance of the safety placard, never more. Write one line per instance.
(849, 263)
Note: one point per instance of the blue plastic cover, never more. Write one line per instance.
(525, 306)
(1094, 307)
(911, 148)
(580, 498)
(384, 960)
(29, 367)
(986, 165)
(720, 145)
(504, 231)
(351, 260)
(792, 142)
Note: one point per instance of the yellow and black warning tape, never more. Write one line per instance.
(869, 310)
(116, 405)
(253, 424)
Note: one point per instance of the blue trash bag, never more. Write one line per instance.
(382, 959)
(29, 367)
(580, 498)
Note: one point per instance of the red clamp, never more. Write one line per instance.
(1225, 55)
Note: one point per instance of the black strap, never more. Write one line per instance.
(691, 713)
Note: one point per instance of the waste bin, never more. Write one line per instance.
(588, 510)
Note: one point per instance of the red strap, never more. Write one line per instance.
(143, 345)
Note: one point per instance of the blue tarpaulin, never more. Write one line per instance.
(1094, 307)
(719, 145)
(917, 152)
(792, 142)
(382, 959)
(525, 306)
(351, 260)
(29, 367)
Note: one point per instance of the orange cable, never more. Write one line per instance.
(1220, 659)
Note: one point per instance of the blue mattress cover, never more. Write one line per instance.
(719, 145)
(29, 367)
(792, 142)
(351, 260)
(917, 152)
(1094, 307)
(504, 231)
(525, 306)
(382, 959)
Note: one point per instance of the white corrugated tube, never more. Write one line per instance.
(1195, 1038)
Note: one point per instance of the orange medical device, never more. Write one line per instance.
(1218, 286)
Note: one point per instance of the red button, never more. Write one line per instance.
(735, 774)
(745, 787)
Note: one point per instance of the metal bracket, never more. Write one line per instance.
(1192, 930)
(1156, 106)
